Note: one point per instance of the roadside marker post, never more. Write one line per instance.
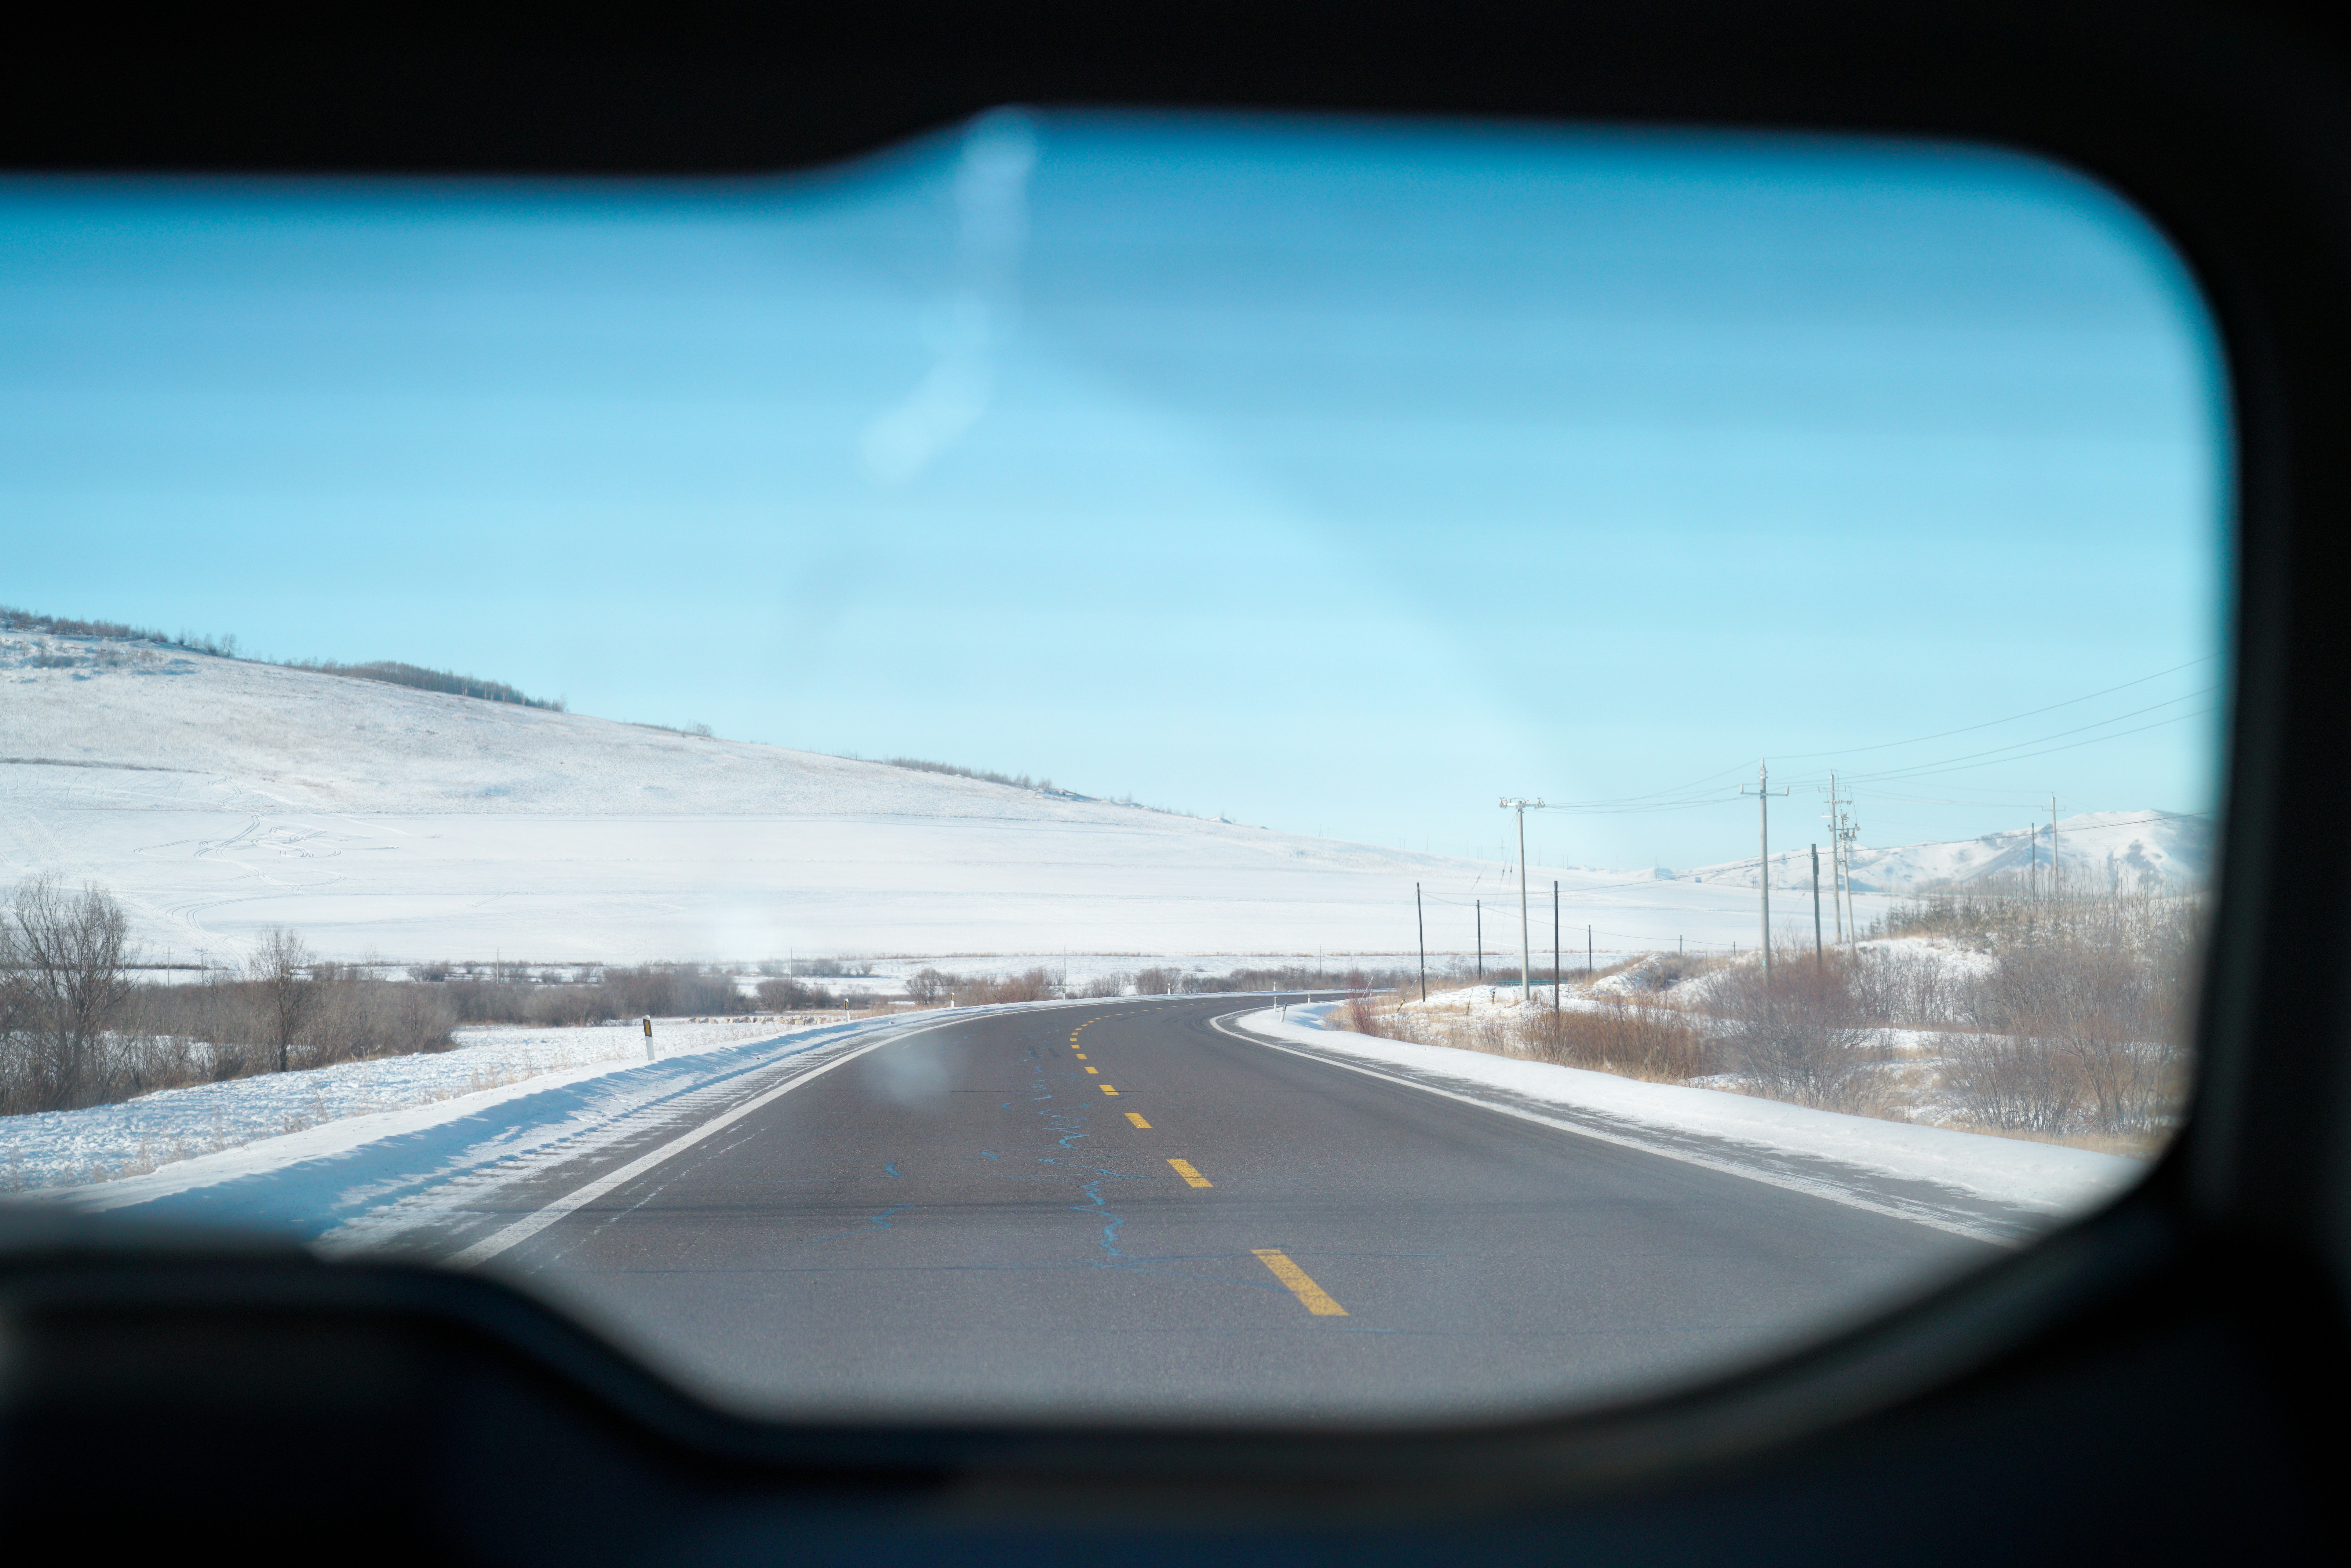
(649, 1039)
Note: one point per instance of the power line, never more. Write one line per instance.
(2056, 735)
(2095, 740)
(1661, 801)
(2012, 718)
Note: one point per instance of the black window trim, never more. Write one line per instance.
(2231, 128)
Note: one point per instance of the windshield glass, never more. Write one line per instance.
(1170, 767)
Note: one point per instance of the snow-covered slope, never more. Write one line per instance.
(2100, 852)
(217, 798)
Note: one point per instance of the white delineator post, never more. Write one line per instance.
(649, 1039)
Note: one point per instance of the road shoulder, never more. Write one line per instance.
(1995, 1189)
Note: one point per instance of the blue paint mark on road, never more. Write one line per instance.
(892, 1169)
(1072, 1127)
(873, 1222)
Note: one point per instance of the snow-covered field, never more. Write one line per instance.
(218, 797)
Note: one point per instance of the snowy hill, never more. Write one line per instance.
(2101, 852)
(217, 798)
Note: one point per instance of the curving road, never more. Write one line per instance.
(1120, 1207)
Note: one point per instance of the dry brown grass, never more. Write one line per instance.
(1628, 1038)
(1631, 1040)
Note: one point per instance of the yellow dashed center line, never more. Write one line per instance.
(1093, 1070)
(1136, 1117)
(1301, 1285)
(1193, 1178)
(1108, 1089)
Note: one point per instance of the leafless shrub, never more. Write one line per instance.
(355, 1017)
(75, 1031)
(1157, 981)
(1106, 985)
(1032, 986)
(921, 765)
(2095, 997)
(785, 995)
(1916, 989)
(2012, 1083)
(1361, 1015)
(1664, 971)
(658, 991)
(1798, 1032)
(347, 1015)
(1297, 977)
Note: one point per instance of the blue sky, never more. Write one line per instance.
(1338, 475)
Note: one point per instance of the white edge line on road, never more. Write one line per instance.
(530, 1225)
(1793, 1184)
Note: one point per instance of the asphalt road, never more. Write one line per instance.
(1115, 1209)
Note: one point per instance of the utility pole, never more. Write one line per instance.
(1526, 951)
(1587, 954)
(1837, 911)
(1762, 793)
(2056, 866)
(1555, 946)
(1817, 959)
(1421, 925)
(1477, 906)
(1842, 831)
(1852, 920)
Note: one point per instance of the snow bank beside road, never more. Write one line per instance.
(208, 1126)
(1999, 1188)
(368, 1178)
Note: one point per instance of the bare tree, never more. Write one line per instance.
(64, 955)
(928, 986)
(1157, 981)
(286, 992)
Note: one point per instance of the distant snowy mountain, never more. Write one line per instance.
(217, 798)
(2103, 851)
